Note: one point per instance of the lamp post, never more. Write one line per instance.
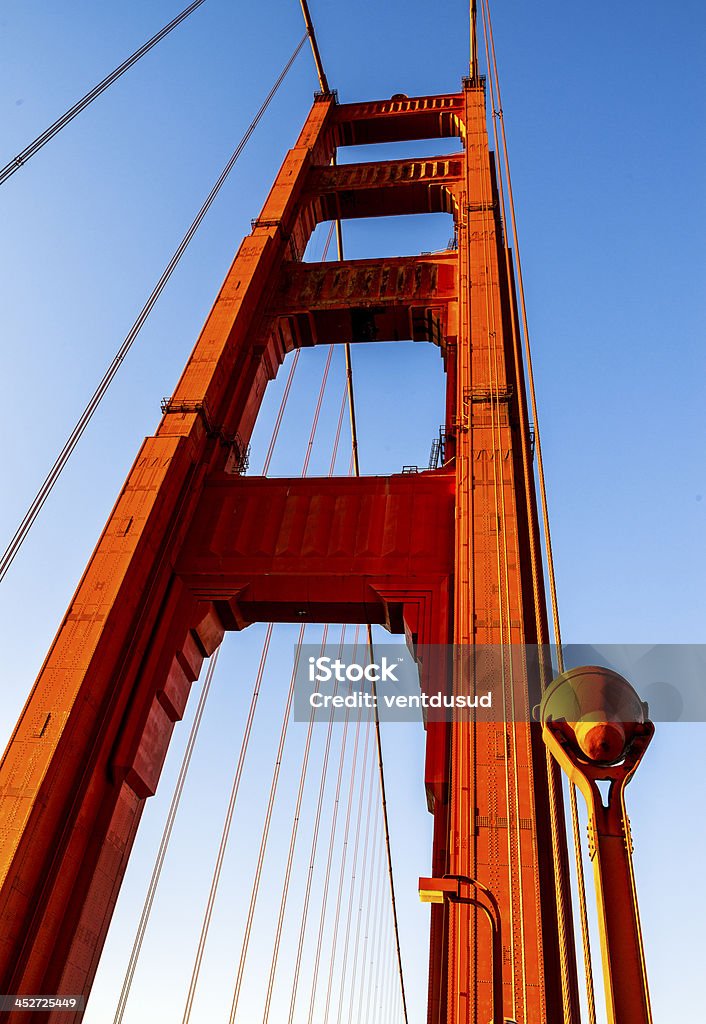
(448, 889)
(597, 728)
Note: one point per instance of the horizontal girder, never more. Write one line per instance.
(359, 283)
(399, 119)
(369, 300)
(384, 189)
(286, 540)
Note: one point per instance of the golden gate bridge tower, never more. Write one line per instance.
(195, 547)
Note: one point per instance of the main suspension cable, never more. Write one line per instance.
(323, 81)
(48, 134)
(498, 117)
(98, 395)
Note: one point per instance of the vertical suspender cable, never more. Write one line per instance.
(273, 787)
(341, 414)
(373, 686)
(365, 883)
(292, 847)
(344, 856)
(280, 413)
(366, 785)
(149, 899)
(323, 82)
(266, 828)
(235, 788)
(317, 411)
(322, 784)
(371, 954)
(361, 953)
(332, 841)
(287, 389)
(164, 843)
(64, 455)
(312, 854)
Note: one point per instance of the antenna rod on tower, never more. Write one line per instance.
(474, 43)
(323, 81)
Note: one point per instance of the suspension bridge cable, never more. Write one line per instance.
(312, 854)
(246, 737)
(528, 352)
(366, 880)
(385, 945)
(273, 788)
(503, 595)
(344, 853)
(473, 62)
(149, 899)
(295, 823)
(390, 988)
(280, 413)
(373, 879)
(292, 845)
(373, 686)
(323, 81)
(498, 116)
(268, 816)
(87, 414)
(537, 583)
(506, 598)
(365, 872)
(372, 943)
(317, 410)
(48, 134)
(235, 788)
(164, 843)
(287, 388)
(331, 846)
(341, 414)
(365, 786)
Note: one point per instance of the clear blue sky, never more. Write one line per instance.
(605, 113)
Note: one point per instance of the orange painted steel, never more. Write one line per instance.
(193, 548)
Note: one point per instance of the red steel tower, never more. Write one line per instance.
(194, 547)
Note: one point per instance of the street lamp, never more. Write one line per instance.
(597, 728)
(448, 889)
